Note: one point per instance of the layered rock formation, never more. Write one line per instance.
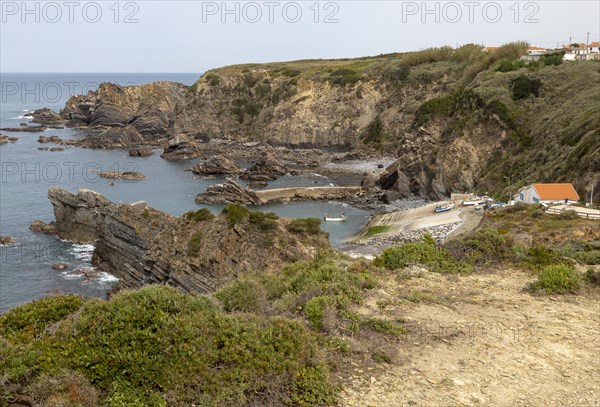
(217, 165)
(269, 168)
(141, 245)
(229, 192)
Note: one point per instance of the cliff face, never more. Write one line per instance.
(453, 120)
(141, 245)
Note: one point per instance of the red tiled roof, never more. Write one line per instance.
(595, 44)
(551, 192)
(532, 48)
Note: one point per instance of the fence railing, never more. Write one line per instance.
(582, 214)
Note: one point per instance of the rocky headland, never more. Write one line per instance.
(194, 252)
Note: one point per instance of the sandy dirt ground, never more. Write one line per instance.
(479, 340)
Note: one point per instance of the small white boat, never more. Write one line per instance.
(443, 208)
(474, 202)
(335, 218)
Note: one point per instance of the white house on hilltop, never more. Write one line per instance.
(547, 194)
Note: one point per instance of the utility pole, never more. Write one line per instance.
(587, 42)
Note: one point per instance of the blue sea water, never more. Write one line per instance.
(26, 173)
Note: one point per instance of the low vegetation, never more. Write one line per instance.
(560, 278)
(155, 346)
(308, 226)
(424, 253)
(200, 215)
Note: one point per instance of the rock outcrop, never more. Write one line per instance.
(5, 139)
(217, 165)
(140, 152)
(7, 240)
(269, 168)
(141, 245)
(180, 150)
(126, 175)
(47, 116)
(229, 192)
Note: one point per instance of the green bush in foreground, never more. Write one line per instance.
(424, 253)
(235, 214)
(200, 215)
(155, 346)
(308, 226)
(561, 278)
(310, 289)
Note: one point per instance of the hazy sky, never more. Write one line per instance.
(193, 36)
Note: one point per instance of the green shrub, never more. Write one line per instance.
(195, 244)
(290, 73)
(31, 319)
(250, 80)
(581, 251)
(507, 65)
(312, 387)
(234, 214)
(308, 226)
(384, 326)
(212, 79)
(541, 256)
(375, 230)
(522, 87)
(483, 247)
(568, 215)
(200, 215)
(374, 132)
(314, 311)
(264, 221)
(436, 259)
(561, 278)
(242, 295)
(156, 346)
(344, 76)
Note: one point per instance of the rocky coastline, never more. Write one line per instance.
(196, 252)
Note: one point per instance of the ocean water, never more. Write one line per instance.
(26, 174)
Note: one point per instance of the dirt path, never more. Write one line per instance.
(480, 340)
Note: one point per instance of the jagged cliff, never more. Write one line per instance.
(458, 119)
(195, 252)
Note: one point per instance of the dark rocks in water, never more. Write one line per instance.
(43, 227)
(49, 139)
(47, 116)
(5, 139)
(140, 152)
(7, 240)
(51, 148)
(60, 266)
(269, 168)
(180, 150)
(217, 165)
(25, 129)
(229, 192)
(127, 175)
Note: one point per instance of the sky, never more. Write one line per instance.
(194, 36)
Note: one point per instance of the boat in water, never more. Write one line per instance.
(335, 218)
(443, 208)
